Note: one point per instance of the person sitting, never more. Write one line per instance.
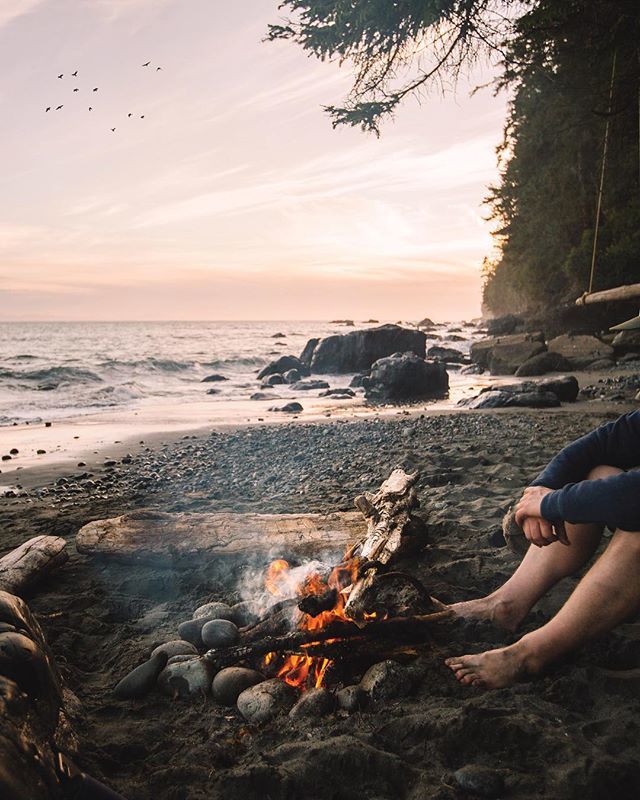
(590, 484)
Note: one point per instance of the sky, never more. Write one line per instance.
(226, 194)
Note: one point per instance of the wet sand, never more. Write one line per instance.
(570, 734)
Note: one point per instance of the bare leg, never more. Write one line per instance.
(540, 570)
(608, 594)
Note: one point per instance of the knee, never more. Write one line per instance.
(603, 471)
(627, 542)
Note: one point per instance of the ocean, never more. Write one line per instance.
(59, 370)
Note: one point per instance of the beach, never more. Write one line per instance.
(570, 733)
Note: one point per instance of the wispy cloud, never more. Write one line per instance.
(12, 9)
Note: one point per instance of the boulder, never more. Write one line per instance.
(291, 376)
(219, 633)
(601, 363)
(275, 379)
(509, 351)
(307, 353)
(186, 678)
(176, 647)
(357, 380)
(446, 354)
(580, 350)
(262, 396)
(405, 376)
(506, 399)
(230, 682)
(288, 408)
(426, 323)
(565, 387)
(503, 326)
(305, 386)
(283, 364)
(214, 610)
(543, 363)
(627, 341)
(214, 378)
(266, 700)
(313, 703)
(339, 393)
(358, 350)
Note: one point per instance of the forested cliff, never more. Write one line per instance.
(571, 68)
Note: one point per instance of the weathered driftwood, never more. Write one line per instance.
(159, 537)
(627, 292)
(388, 516)
(23, 567)
(341, 631)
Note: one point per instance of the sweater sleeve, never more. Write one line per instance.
(616, 444)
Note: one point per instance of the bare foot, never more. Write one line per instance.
(502, 613)
(493, 669)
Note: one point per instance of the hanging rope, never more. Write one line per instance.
(604, 161)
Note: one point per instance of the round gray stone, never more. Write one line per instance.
(230, 682)
(142, 679)
(313, 704)
(478, 780)
(186, 678)
(219, 633)
(351, 698)
(385, 680)
(245, 613)
(266, 700)
(176, 647)
(214, 611)
(180, 659)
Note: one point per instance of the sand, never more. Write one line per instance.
(571, 733)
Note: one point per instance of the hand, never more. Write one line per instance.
(538, 530)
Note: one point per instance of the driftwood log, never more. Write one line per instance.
(390, 526)
(158, 537)
(29, 563)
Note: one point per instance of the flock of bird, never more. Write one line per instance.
(95, 89)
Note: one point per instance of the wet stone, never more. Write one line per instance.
(480, 781)
(385, 681)
(219, 633)
(176, 647)
(230, 682)
(185, 678)
(351, 698)
(313, 703)
(266, 700)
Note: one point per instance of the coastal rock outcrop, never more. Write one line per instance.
(358, 350)
(580, 350)
(449, 354)
(503, 355)
(405, 376)
(282, 365)
(543, 363)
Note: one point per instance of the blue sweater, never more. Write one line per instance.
(613, 501)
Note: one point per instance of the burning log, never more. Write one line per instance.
(29, 563)
(390, 525)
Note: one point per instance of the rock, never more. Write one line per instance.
(601, 363)
(191, 630)
(219, 633)
(357, 380)
(230, 682)
(214, 378)
(180, 659)
(543, 363)
(14, 451)
(385, 680)
(478, 780)
(580, 350)
(518, 348)
(261, 396)
(426, 323)
(505, 399)
(535, 399)
(273, 380)
(505, 359)
(472, 369)
(309, 385)
(351, 698)
(307, 353)
(340, 394)
(176, 647)
(291, 376)
(503, 326)
(626, 341)
(214, 610)
(266, 700)
(356, 351)
(213, 391)
(278, 336)
(283, 364)
(446, 354)
(288, 408)
(142, 679)
(40, 452)
(348, 322)
(186, 678)
(565, 387)
(406, 376)
(244, 613)
(313, 703)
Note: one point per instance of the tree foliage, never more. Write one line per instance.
(556, 60)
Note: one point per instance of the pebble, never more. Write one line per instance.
(186, 678)
(214, 611)
(351, 698)
(288, 408)
(313, 703)
(478, 780)
(142, 679)
(176, 647)
(385, 680)
(219, 633)
(14, 451)
(266, 700)
(230, 682)
(40, 452)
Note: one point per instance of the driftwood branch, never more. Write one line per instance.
(29, 563)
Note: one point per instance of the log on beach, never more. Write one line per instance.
(150, 536)
(29, 563)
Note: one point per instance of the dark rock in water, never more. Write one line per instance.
(266, 700)
(213, 391)
(356, 351)
(446, 354)
(219, 633)
(313, 703)
(262, 396)
(481, 781)
(40, 452)
(505, 399)
(302, 386)
(339, 393)
(357, 380)
(47, 387)
(505, 325)
(278, 336)
(186, 678)
(6, 458)
(214, 610)
(406, 376)
(351, 698)
(272, 380)
(142, 679)
(386, 681)
(426, 323)
(307, 353)
(543, 363)
(230, 682)
(347, 322)
(291, 376)
(565, 387)
(283, 364)
(176, 647)
(288, 408)
(214, 378)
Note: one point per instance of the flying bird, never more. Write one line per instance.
(129, 115)
(158, 69)
(147, 64)
(61, 75)
(90, 108)
(96, 89)
(48, 108)
(76, 90)
(113, 130)
(74, 74)
(59, 107)
(142, 116)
